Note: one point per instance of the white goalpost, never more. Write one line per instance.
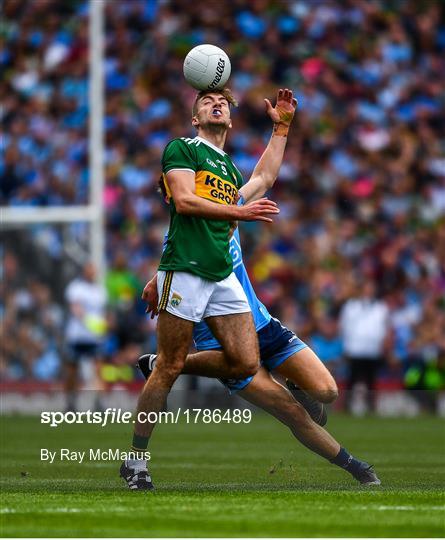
(93, 213)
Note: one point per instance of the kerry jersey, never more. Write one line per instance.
(197, 245)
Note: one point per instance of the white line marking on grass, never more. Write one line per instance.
(42, 510)
(115, 510)
(58, 510)
(384, 507)
(416, 508)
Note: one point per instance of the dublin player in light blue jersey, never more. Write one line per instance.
(309, 383)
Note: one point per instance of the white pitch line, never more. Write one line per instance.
(120, 509)
(58, 510)
(417, 508)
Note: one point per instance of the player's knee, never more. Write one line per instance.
(327, 393)
(247, 369)
(242, 370)
(243, 365)
(170, 370)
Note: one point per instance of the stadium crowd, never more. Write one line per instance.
(361, 190)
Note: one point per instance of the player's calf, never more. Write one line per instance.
(308, 372)
(321, 442)
(316, 409)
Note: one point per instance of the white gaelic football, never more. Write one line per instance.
(207, 67)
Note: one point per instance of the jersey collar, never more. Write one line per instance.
(208, 143)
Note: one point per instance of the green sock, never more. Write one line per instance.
(140, 443)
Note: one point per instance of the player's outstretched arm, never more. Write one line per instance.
(182, 188)
(266, 170)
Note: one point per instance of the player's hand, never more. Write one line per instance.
(233, 226)
(258, 210)
(150, 295)
(284, 110)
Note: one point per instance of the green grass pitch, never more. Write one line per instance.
(226, 480)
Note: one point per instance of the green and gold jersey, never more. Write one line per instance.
(197, 245)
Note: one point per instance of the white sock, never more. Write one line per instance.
(137, 464)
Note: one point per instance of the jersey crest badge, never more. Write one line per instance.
(176, 300)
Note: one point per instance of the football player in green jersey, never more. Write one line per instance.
(195, 277)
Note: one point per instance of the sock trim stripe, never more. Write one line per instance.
(166, 290)
(139, 450)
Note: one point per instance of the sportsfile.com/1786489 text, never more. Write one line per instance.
(118, 416)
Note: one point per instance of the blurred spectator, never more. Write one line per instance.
(122, 284)
(128, 325)
(85, 331)
(425, 373)
(31, 329)
(327, 344)
(364, 330)
(405, 314)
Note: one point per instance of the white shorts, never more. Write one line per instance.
(194, 298)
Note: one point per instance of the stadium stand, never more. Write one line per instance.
(361, 191)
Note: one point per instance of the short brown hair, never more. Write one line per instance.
(225, 92)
